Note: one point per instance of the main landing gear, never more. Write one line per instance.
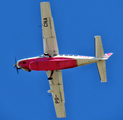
(47, 54)
(50, 78)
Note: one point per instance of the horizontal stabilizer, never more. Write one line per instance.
(99, 53)
(102, 70)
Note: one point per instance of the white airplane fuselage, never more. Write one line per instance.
(58, 62)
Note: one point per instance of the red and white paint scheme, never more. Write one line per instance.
(57, 62)
(52, 62)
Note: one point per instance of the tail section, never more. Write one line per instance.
(99, 53)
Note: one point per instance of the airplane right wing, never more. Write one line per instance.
(56, 86)
(49, 36)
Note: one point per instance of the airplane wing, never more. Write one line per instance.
(56, 86)
(49, 36)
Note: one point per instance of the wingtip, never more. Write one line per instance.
(44, 2)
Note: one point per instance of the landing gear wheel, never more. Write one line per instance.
(50, 78)
(47, 54)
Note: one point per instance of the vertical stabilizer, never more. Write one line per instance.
(99, 53)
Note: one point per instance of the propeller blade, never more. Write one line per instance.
(15, 66)
(17, 71)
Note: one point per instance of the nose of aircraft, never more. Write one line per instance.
(15, 66)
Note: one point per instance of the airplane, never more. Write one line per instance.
(52, 62)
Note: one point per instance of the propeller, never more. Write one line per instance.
(15, 66)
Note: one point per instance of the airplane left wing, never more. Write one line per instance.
(56, 86)
(49, 36)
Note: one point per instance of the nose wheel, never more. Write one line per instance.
(50, 78)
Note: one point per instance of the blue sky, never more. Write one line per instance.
(24, 96)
